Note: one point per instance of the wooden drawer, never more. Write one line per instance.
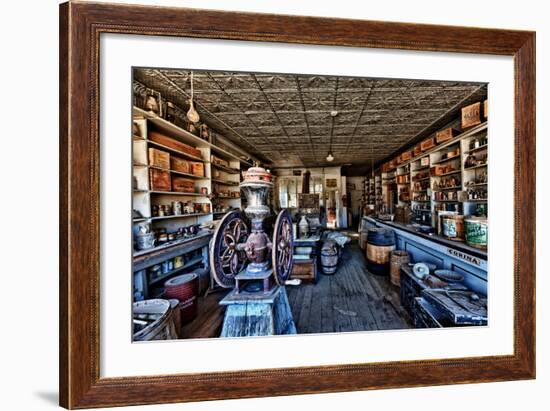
(159, 180)
(159, 158)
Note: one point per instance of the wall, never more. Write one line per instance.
(31, 327)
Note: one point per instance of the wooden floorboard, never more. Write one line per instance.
(352, 299)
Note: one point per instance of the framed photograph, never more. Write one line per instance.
(190, 267)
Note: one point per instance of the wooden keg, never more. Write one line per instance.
(452, 227)
(152, 320)
(477, 232)
(329, 257)
(398, 257)
(184, 288)
(380, 244)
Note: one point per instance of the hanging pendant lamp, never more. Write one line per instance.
(192, 114)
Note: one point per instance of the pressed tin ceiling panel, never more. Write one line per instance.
(287, 120)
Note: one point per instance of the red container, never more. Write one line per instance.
(184, 288)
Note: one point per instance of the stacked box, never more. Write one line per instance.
(159, 158)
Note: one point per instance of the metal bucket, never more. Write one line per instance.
(452, 227)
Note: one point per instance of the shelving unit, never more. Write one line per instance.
(439, 177)
(216, 178)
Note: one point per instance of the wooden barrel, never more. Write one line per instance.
(185, 289)
(152, 320)
(363, 238)
(329, 257)
(380, 244)
(452, 227)
(398, 257)
(477, 232)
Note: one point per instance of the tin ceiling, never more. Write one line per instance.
(294, 120)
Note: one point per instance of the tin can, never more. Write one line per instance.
(178, 261)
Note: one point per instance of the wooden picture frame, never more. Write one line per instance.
(80, 27)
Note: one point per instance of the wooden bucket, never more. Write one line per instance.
(152, 320)
(329, 257)
(477, 232)
(184, 288)
(380, 244)
(398, 257)
(452, 227)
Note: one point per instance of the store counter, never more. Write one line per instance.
(452, 255)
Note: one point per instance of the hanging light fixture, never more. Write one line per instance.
(192, 114)
(330, 157)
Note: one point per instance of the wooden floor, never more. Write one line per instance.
(350, 300)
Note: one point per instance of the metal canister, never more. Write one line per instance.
(177, 207)
(178, 261)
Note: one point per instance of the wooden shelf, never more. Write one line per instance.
(449, 173)
(446, 201)
(162, 277)
(474, 167)
(474, 150)
(225, 182)
(193, 176)
(479, 200)
(448, 188)
(226, 169)
(474, 185)
(179, 216)
(177, 152)
(446, 159)
(420, 179)
(184, 136)
(228, 197)
(177, 193)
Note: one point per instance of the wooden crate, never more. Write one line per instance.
(159, 180)
(427, 144)
(445, 135)
(181, 165)
(182, 184)
(305, 269)
(197, 168)
(424, 161)
(159, 158)
(417, 150)
(471, 115)
(485, 109)
(406, 156)
(173, 143)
